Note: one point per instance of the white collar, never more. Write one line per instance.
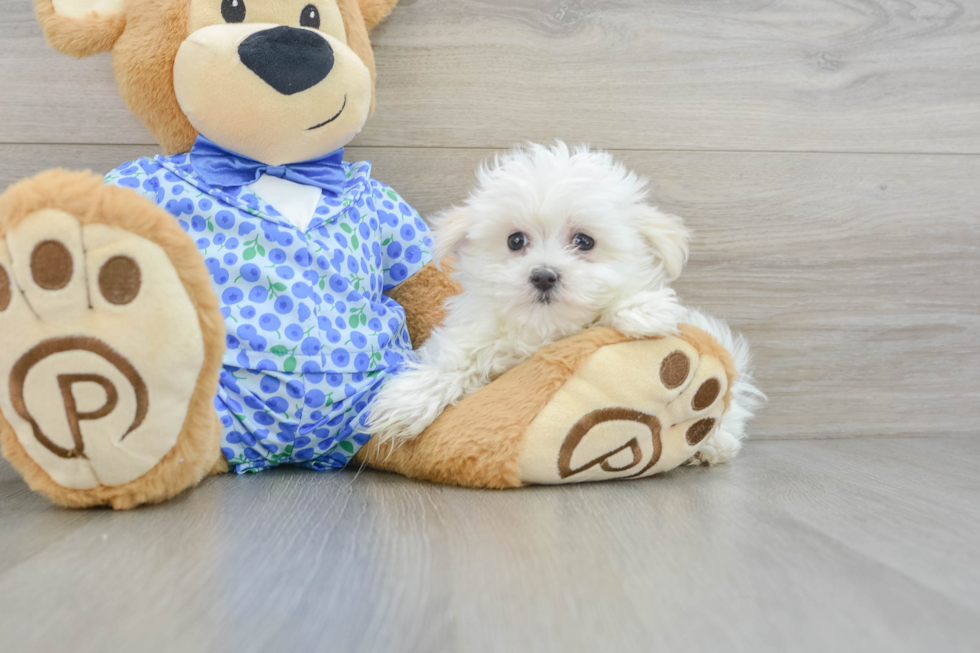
(296, 203)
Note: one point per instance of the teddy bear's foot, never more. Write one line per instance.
(630, 410)
(112, 339)
(596, 406)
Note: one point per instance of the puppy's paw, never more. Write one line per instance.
(650, 314)
(717, 449)
(405, 406)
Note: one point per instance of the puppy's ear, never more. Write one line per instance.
(81, 28)
(449, 230)
(667, 237)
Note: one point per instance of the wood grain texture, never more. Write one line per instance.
(804, 546)
(815, 75)
(855, 277)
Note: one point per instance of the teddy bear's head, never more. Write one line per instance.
(279, 81)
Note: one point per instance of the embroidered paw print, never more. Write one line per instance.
(632, 410)
(102, 349)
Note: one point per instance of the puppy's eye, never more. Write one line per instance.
(517, 241)
(310, 17)
(583, 242)
(233, 11)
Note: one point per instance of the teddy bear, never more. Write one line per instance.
(236, 302)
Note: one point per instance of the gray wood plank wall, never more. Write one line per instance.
(826, 153)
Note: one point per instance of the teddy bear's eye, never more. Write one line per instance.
(310, 17)
(233, 11)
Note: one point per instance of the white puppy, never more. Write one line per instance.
(551, 242)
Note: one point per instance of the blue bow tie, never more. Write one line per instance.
(224, 169)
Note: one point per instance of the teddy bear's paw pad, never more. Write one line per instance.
(102, 349)
(631, 410)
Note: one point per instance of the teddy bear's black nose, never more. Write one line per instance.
(288, 59)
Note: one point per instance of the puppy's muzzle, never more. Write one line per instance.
(288, 59)
(544, 279)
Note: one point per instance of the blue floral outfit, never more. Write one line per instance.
(311, 336)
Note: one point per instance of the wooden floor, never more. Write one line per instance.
(847, 545)
(826, 154)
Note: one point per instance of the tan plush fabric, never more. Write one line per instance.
(83, 8)
(143, 62)
(375, 11)
(277, 128)
(575, 411)
(197, 449)
(512, 432)
(79, 36)
(359, 41)
(477, 442)
(100, 380)
(703, 341)
(617, 418)
(423, 296)
(145, 41)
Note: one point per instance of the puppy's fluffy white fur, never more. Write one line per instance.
(552, 197)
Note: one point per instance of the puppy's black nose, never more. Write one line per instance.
(288, 59)
(544, 279)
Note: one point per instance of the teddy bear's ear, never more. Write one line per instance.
(375, 11)
(81, 28)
